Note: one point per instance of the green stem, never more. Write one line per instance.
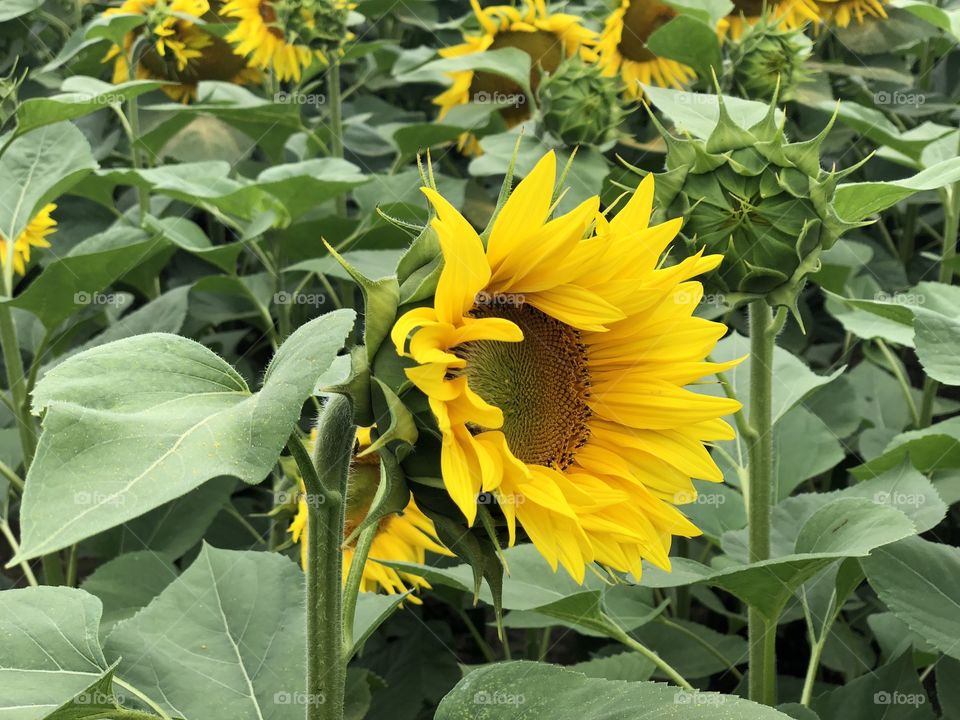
(325, 480)
(617, 633)
(817, 645)
(733, 669)
(141, 696)
(351, 589)
(71, 580)
(16, 382)
(336, 120)
(904, 383)
(15, 546)
(762, 636)
(951, 227)
(478, 638)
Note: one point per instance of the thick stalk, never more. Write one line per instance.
(951, 227)
(325, 480)
(762, 633)
(334, 101)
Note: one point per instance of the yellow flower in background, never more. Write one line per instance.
(402, 537)
(839, 13)
(554, 360)
(34, 235)
(546, 37)
(623, 47)
(179, 51)
(748, 12)
(279, 36)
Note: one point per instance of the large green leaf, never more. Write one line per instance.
(38, 167)
(15, 8)
(128, 583)
(856, 201)
(699, 113)
(532, 691)
(920, 582)
(49, 649)
(510, 63)
(224, 640)
(892, 692)
(136, 423)
(688, 40)
(932, 448)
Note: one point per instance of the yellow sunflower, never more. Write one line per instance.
(623, 47)
(748, 12)
(180, 51)
(839, 13)
(546, 37)
(554, 360)
(34, 235)
(401, 537)
(275, 35)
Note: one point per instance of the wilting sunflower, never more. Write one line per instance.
(554, 360)
(623, 47)
(402, 537)
(839, 13)
(179, 51)
(280, 36)
(546, 37)
(34, 235)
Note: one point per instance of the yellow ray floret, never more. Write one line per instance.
(555, 360)
(34, 235)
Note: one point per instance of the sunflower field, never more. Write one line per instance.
(544, 360)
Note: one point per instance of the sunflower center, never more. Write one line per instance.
(750, 8)
(541, 383)
(641, 19)
(545, 51)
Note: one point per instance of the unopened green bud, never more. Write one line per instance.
(578, 105)
(766, 55)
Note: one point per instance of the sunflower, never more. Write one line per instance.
(554, 361)
(277, 35)
(623, 47)
(34, 235)
(838, 13)
(546, 37)
(403, 537)
(180, 51)
(748, 12)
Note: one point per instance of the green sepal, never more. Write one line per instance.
(419, 268)
(402, 427)
(350, 375)
(381, 298)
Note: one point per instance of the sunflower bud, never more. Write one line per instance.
(319, 24)
(763, 202)
(579, 105)
(768, 54)
(9, 86)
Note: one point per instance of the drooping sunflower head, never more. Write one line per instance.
(554, 359)
(545, 36)
(176, 50)
(747, 13)
(34, 235)
(401, 537)
(623, 47)
(286, 36)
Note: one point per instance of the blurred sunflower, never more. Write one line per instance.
(623, 47)
(179, 51)
(405, 536)
(748, 12)
(554, 361)
(285, 36)
(839, 13)
(34, 235)
(546, 37)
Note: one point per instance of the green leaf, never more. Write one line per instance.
(136, 423)
(373, 609)
(932, 448)
(803, 447)
(856, 201)
(303, 186)
(892, 692)
(631, 666)
(920, 582)
(690, 41)
(510, 63)
(187, 235)
(38, 167)
(81, 95)
(526, 691)
(223, 640)
(699, 113)
(15, 8)
(947, 20)
(50, 650)
(128, 583)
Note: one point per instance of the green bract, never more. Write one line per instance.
(761, 201)
(767, 55)
(579, 105)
